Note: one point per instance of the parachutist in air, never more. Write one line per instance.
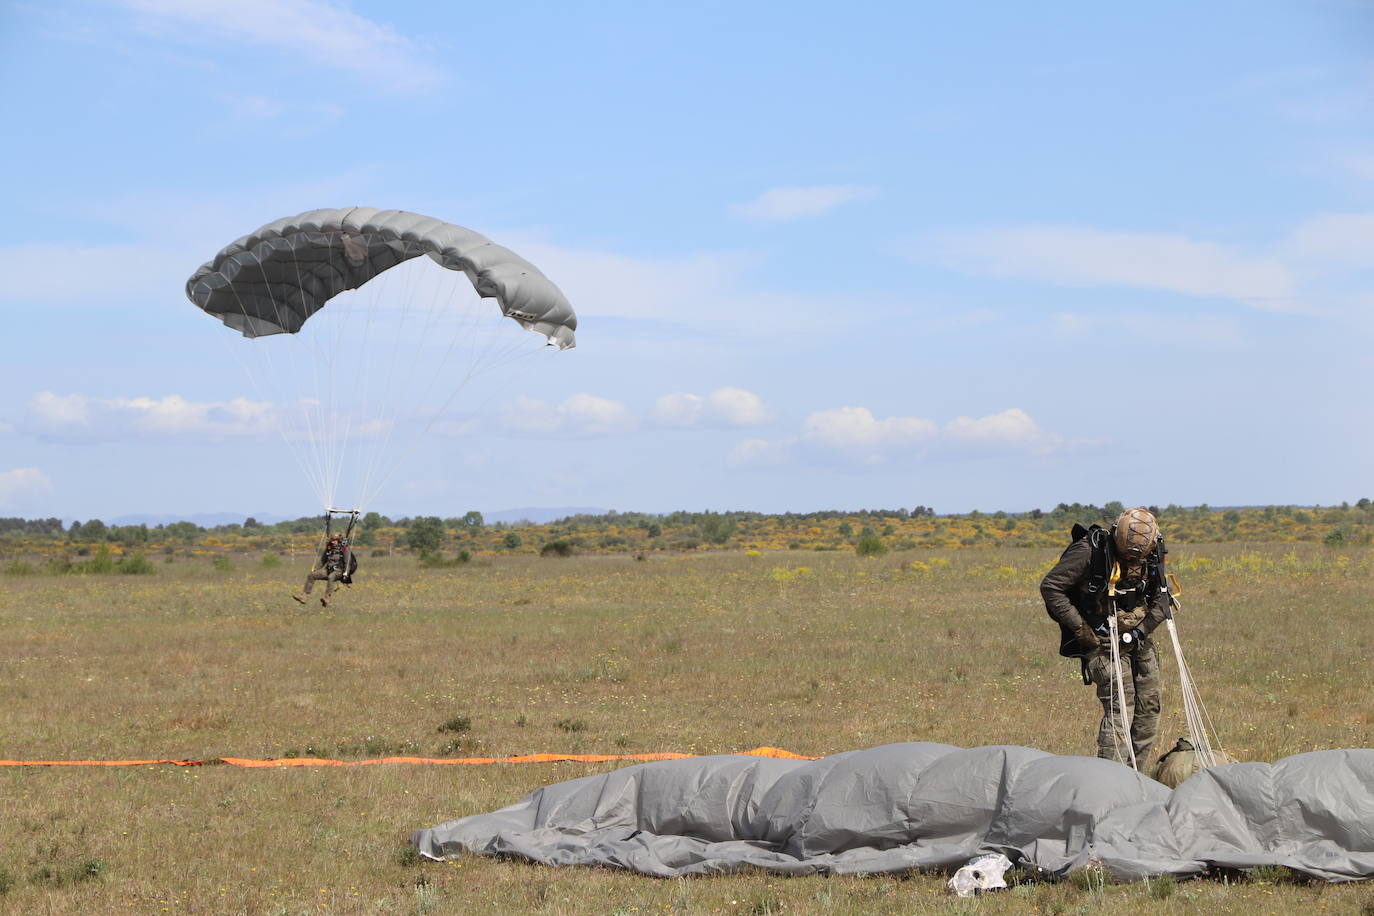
(337, 563)
(1106, 574)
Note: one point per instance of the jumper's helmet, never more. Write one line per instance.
(1134, 536)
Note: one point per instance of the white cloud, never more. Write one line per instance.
(21, 485)
(724, 407)
(326, 33)
(680, 410)
(783, 205)
(757, 453)
(854, 437)
(81, 418)
(531, 416)
(1080, 256)
(1011, 430)
(580, 416)
(1345, 239)
(855, 434)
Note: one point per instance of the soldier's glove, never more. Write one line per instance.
(1085, 641)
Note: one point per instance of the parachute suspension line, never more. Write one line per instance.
(415, 441)
(275, 420)
(365, 387)
(341, 422)
(325, 357)
(441, 296)
(410, 278)
(263, 353)
(478, 362)
(1200, 727)
(315, 483)
(316, 419)
(438, 296)
(314, 430)
(1121, 716)
(387, 386)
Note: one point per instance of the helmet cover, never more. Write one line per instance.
(1134, 536)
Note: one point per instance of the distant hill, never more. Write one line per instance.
(537, 516)
(203, 519)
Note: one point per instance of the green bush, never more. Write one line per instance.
(223, 563)
(436, 560)
(870, 545)
(270, 561)
(1163, 887)
(425, 535)
(100, 564)
(20, 568)
(717, 529)
(59, 566)
(558, 548)
(136, 564)
(458, 724)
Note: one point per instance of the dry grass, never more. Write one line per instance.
(701, 653)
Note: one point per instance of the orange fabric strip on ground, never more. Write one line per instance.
(96, 763)
(443, 761)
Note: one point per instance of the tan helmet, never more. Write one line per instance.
(1135, 533)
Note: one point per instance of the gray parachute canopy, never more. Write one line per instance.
(272, 280)
(923, 805)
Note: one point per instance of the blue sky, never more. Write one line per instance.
(881, 255)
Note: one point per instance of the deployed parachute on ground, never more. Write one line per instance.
(361, 373)
(924, 805)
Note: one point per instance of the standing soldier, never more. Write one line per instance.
(336, 565)
(1100, 575)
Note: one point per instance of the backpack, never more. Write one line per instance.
(1100, 566)
(347, 577)
(1099, 569)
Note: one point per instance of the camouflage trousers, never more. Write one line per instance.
(329, 578)
(1140, 683)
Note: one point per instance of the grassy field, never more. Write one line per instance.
(704, 653)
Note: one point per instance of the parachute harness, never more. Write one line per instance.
(1121, 716)
(352, 516)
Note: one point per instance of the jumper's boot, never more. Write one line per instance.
(300, 599)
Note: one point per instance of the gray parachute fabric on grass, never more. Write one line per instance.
(272, 280)
(923, 805)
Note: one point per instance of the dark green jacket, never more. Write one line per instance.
(1065, 590)
(333, 559)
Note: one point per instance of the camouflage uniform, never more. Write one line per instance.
(332, 567)
(1068, 601)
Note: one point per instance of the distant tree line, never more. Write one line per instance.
(829, 529)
